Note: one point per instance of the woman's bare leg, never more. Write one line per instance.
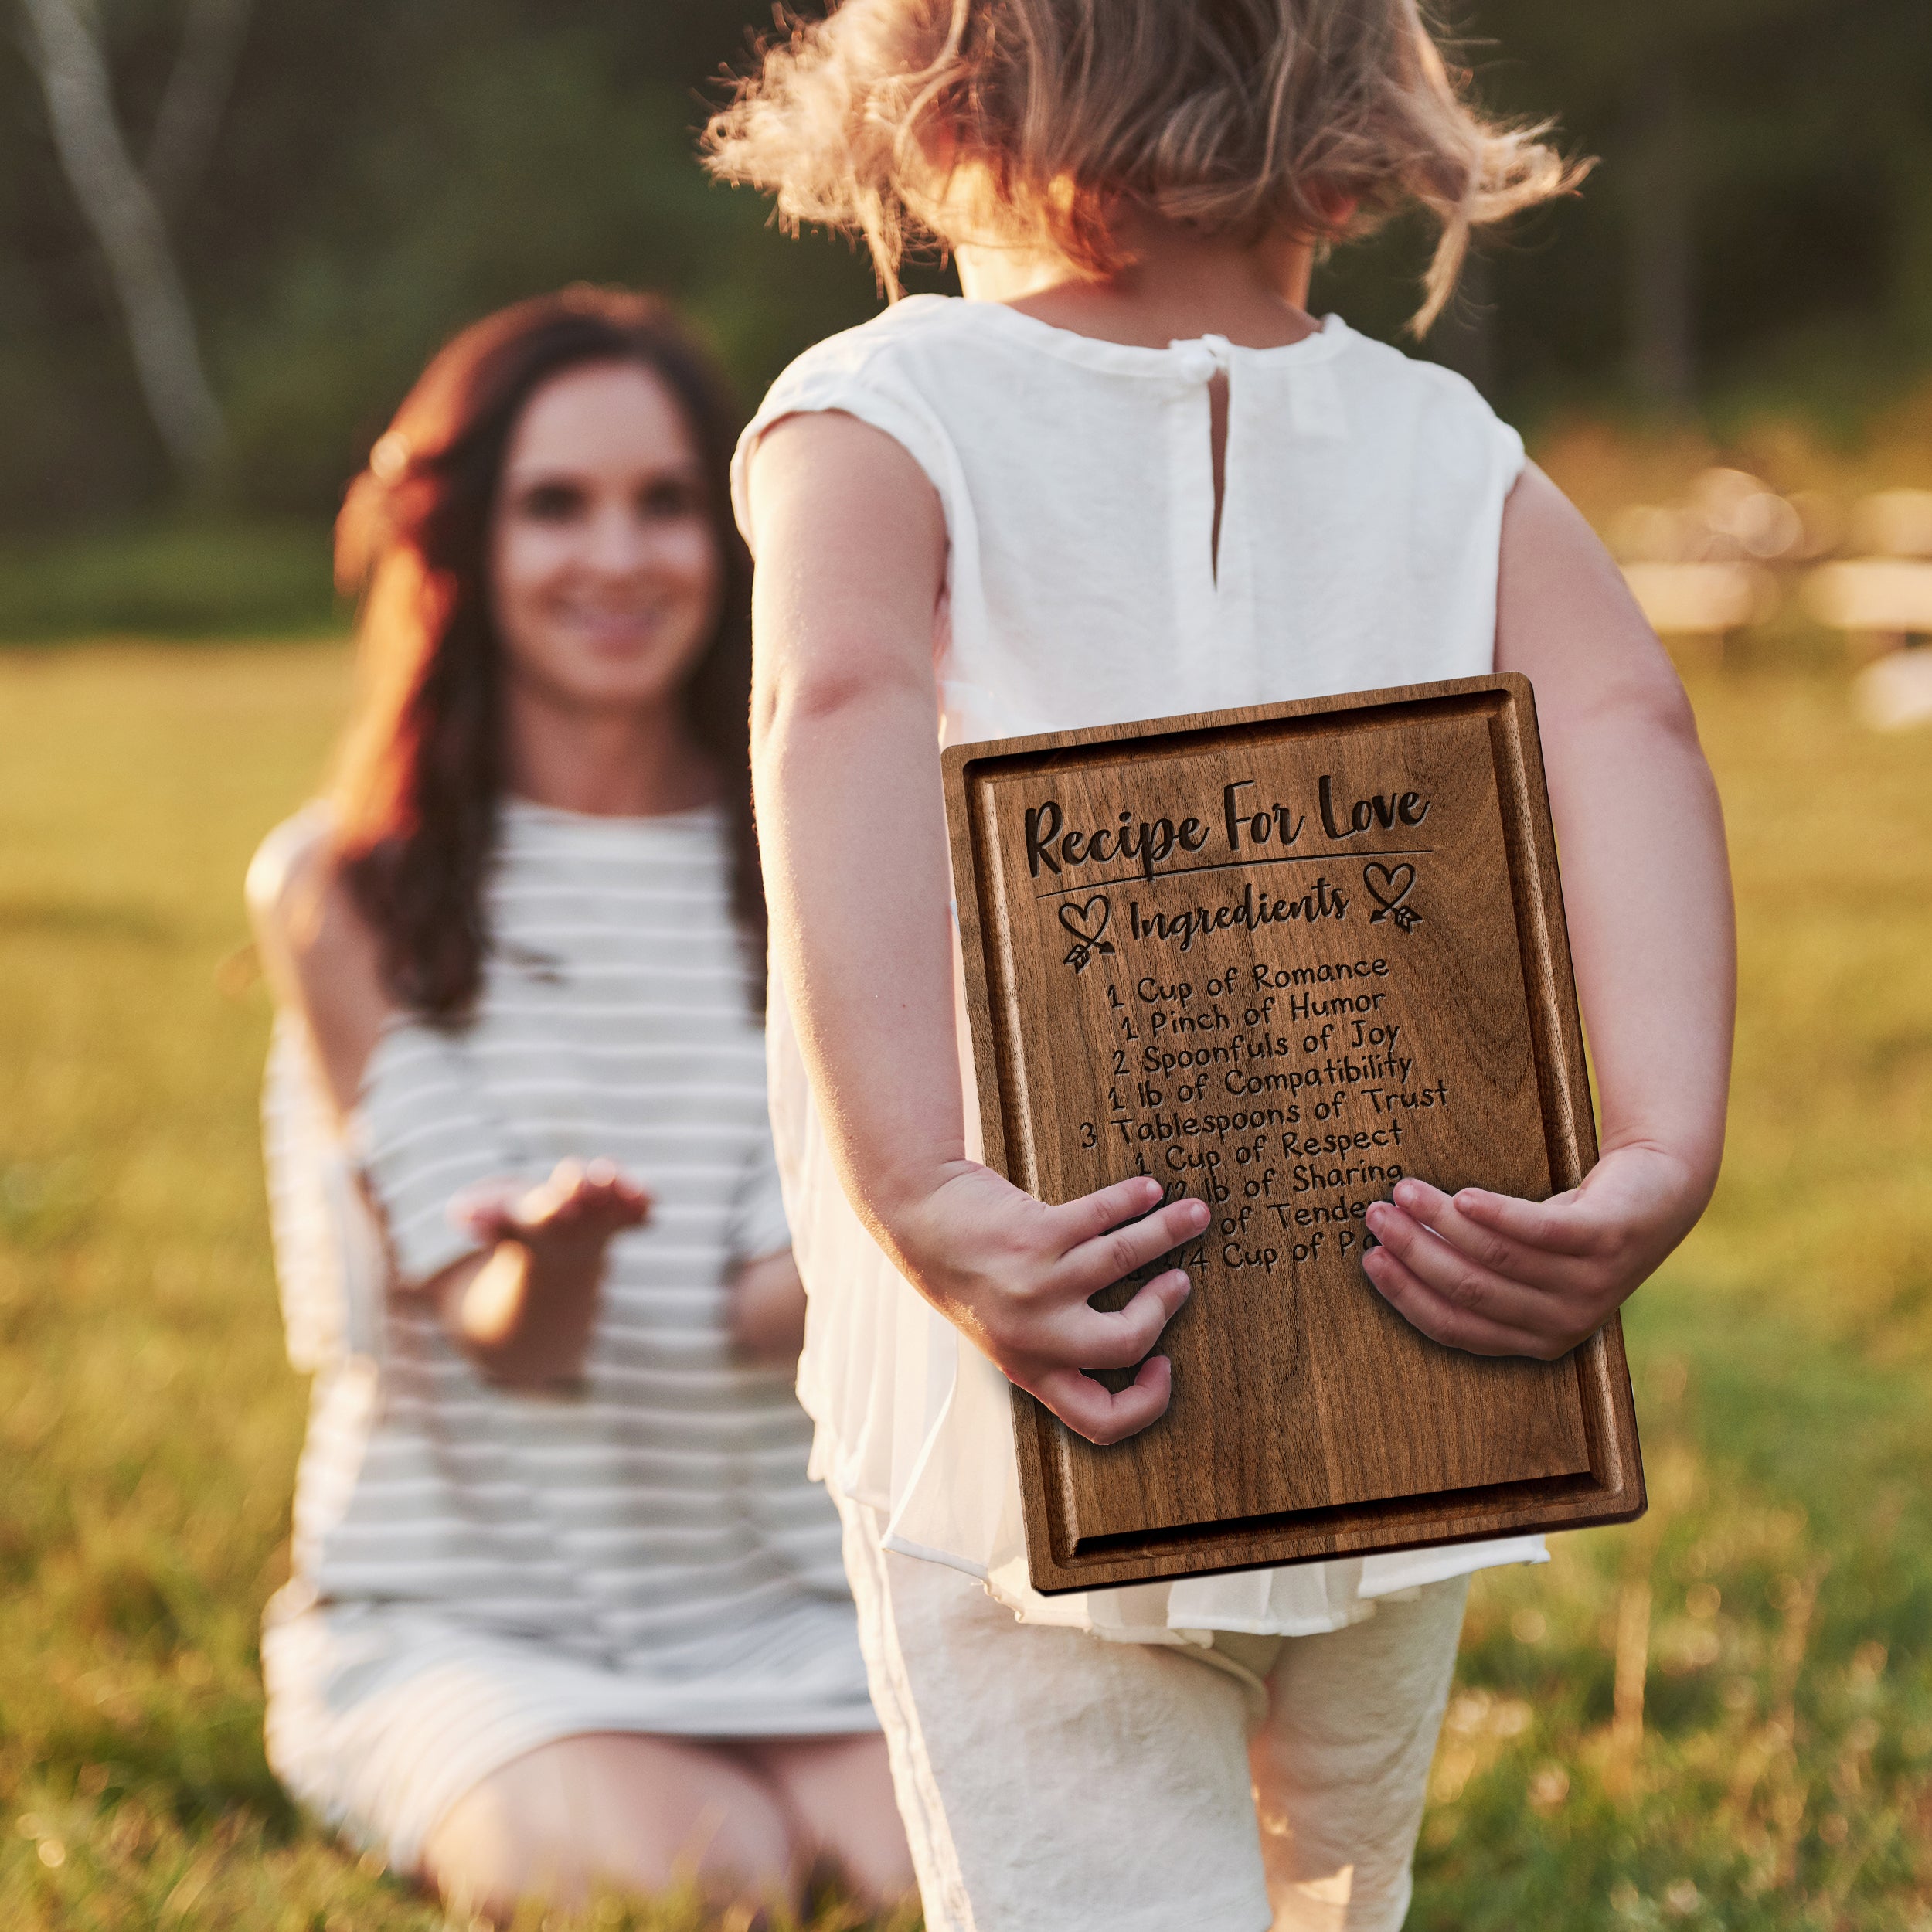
(631, 1813)
(839, 1793)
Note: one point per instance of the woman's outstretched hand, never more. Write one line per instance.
(1499, 1276)
(1016, 1276)
(523, 1311)
(580, 1202)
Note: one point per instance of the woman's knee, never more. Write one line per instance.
(500, 1842)
(839, 1791)
(631, 1814)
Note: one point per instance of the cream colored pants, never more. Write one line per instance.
(1052, 1782)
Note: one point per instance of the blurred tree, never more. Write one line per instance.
(1761, 226)
(1755, 198)
(190, 117)
(384, 174)
(124, 206)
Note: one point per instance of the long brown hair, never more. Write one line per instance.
(421, 771)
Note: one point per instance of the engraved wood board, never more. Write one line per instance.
(1279, 958)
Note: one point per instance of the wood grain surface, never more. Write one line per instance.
(1278, 958)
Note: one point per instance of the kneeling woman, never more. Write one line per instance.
(566, 1611)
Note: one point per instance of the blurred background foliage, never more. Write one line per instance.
(384, 174)
(1758, 235)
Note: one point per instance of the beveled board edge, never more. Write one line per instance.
(1618, 1494)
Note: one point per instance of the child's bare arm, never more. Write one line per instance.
(851, 551)
(1646, 888)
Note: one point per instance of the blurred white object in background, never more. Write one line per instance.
(1715, 563)
(1699, 568)
(1879, 602)
(1895, 693)
(1746, 517)
(1701, 599)
(1822, 519)
(1894, 523)
(1655, 533)
(1727, 516)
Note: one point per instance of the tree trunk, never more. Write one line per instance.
(190, 115)
(128, 224)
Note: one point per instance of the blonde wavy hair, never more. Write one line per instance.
(1029, 122)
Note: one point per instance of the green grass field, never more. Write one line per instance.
(1719, 1717)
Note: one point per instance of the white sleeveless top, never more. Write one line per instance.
(1363, 498)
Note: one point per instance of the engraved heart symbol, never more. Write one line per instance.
(1081, 922)
(1389, 886)
(1086, 923)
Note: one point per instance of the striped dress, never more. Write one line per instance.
(477, 1571)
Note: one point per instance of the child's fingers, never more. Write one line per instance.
(1487, 1247)
(1442, 1321)
(1094, 1214)
(1090, 1409)
(1098, 1264)
(1451, 1275)
(1562, 1225)
(1118, 1340)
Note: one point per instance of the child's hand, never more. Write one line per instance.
(1016, 1275)
(1499, 1275)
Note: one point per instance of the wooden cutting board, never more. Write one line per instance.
(1277, 958)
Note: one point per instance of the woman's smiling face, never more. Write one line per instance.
(605, 573)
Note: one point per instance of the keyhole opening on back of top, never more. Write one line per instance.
(1218, 445)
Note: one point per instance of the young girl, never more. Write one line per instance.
(566, 1611)
(1127, 476)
